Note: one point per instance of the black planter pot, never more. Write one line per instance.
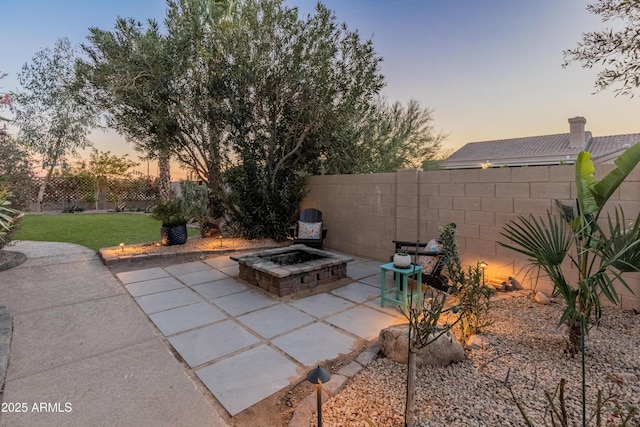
(173, 235)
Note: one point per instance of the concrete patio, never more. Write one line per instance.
(245, 344)
(166, 346)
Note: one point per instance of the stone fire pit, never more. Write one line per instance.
(284, 271)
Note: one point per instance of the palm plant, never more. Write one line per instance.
(600, 251)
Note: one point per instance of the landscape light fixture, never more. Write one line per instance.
(318, 376)
(220, 237)
(122, 247)
(483, 265)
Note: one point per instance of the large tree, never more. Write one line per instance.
(102, 166)
(253, 98)
(52, 122)
(293, 82)
(129, 72)
(388, 137)
(616, 50)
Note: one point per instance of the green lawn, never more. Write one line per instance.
(94, 231)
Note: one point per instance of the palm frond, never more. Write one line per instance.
(545, 242)
(622, 248)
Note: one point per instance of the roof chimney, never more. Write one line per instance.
(576, 132)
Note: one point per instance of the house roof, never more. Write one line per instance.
(537, 150)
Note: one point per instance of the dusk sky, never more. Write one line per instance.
(489, 69)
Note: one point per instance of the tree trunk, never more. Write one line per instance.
(43, 186)
(165, 175)
(575, 335)
(411, 388)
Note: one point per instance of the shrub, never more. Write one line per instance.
(263, 208)
(474, 302)
(7, 217)
(15, 172)
(170, 212)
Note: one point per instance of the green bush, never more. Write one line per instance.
(7, 217)
(170, 212)
(474, 302)
(16, 172)
(262, 208)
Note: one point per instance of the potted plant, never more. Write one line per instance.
(174, 221)
(401, 259)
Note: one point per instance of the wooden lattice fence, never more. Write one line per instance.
(76, 190)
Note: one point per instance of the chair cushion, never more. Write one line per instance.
(309, 230)
(428, 263)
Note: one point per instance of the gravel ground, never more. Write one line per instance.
(196, 244)
(526, 350)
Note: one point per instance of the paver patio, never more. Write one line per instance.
(245, 345)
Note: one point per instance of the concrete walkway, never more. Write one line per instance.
(83, 353)
(83, 339)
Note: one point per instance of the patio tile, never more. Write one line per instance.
(220, 261)
(153, 286)
(358, 271)
(375, 279)
(231, 270)
(315, 343)
(321, 305)
(220, 288)
(389, 308)
(166, 300)
(188, 267)
(187, 317)
(127, 277)
(244, 302)
(197, 277)
(211, 342)
(364, 322)
(275, 320)
(357, 292)
(244, 379)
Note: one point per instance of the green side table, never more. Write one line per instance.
(401, 288)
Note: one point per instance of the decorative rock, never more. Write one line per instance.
(475, 342)
(444, 351)
(515, 284)
(351, 369)
(368, 355)
(311, 401)
(335, 384)
(627, 377)
(542, 299)
(301, 417)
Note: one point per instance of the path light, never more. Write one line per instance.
(122, 247)
(220, 237)
(483, 265)
(318, 376)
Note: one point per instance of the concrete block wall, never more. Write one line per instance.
(364, 213)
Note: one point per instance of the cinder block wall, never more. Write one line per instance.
(364, 213)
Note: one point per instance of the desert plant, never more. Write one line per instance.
(557, 412)
(170, 212)
(474, 301)
(424, 328)
(7, 217)
(600, 253)
(451, 257)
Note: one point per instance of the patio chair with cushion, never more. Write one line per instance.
(431, 257)
(310, 230)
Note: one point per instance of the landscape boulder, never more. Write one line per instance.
(541, 298)
(444, 351)
(475, 342)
